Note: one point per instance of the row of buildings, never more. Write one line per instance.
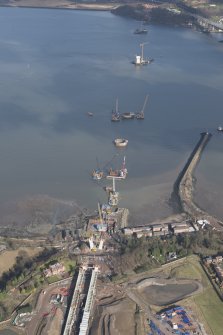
(159, 229)
(216, 263)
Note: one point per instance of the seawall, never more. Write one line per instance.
(184, 186)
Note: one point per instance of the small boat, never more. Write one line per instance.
(90, 114)
(220, 128)
(97, 174)
(120, 142)
(118, 174)
(141, 30)
(115, 114)
(127, 116)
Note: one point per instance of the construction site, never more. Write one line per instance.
(64, 308)
(180, 321)
(102, 297)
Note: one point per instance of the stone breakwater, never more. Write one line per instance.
(184, 186)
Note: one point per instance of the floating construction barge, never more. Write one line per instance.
(118, 174)
(140, 59)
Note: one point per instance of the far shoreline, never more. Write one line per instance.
(84, 7)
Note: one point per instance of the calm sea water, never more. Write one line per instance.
(58, 65)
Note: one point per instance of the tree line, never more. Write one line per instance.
(140, 254)
(22, 268)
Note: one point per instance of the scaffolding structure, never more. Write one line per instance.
(68, 330)
(89, 303)
(76, 298)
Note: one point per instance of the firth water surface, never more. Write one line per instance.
(58, 65)
(7, 332)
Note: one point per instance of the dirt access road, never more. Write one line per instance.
(45, 313)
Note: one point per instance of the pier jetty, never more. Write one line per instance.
(184, 186)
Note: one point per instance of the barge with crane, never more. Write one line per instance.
(118, 174)
(139, 59)
(140, 115)
(115, 113)
(97, 174)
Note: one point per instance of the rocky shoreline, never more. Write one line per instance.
(160, 15)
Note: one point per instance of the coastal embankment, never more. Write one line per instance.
(184, 186)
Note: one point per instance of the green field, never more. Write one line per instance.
(191, 269)
(212, 309)
(209, 305)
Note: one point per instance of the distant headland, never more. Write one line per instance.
(60, 4)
